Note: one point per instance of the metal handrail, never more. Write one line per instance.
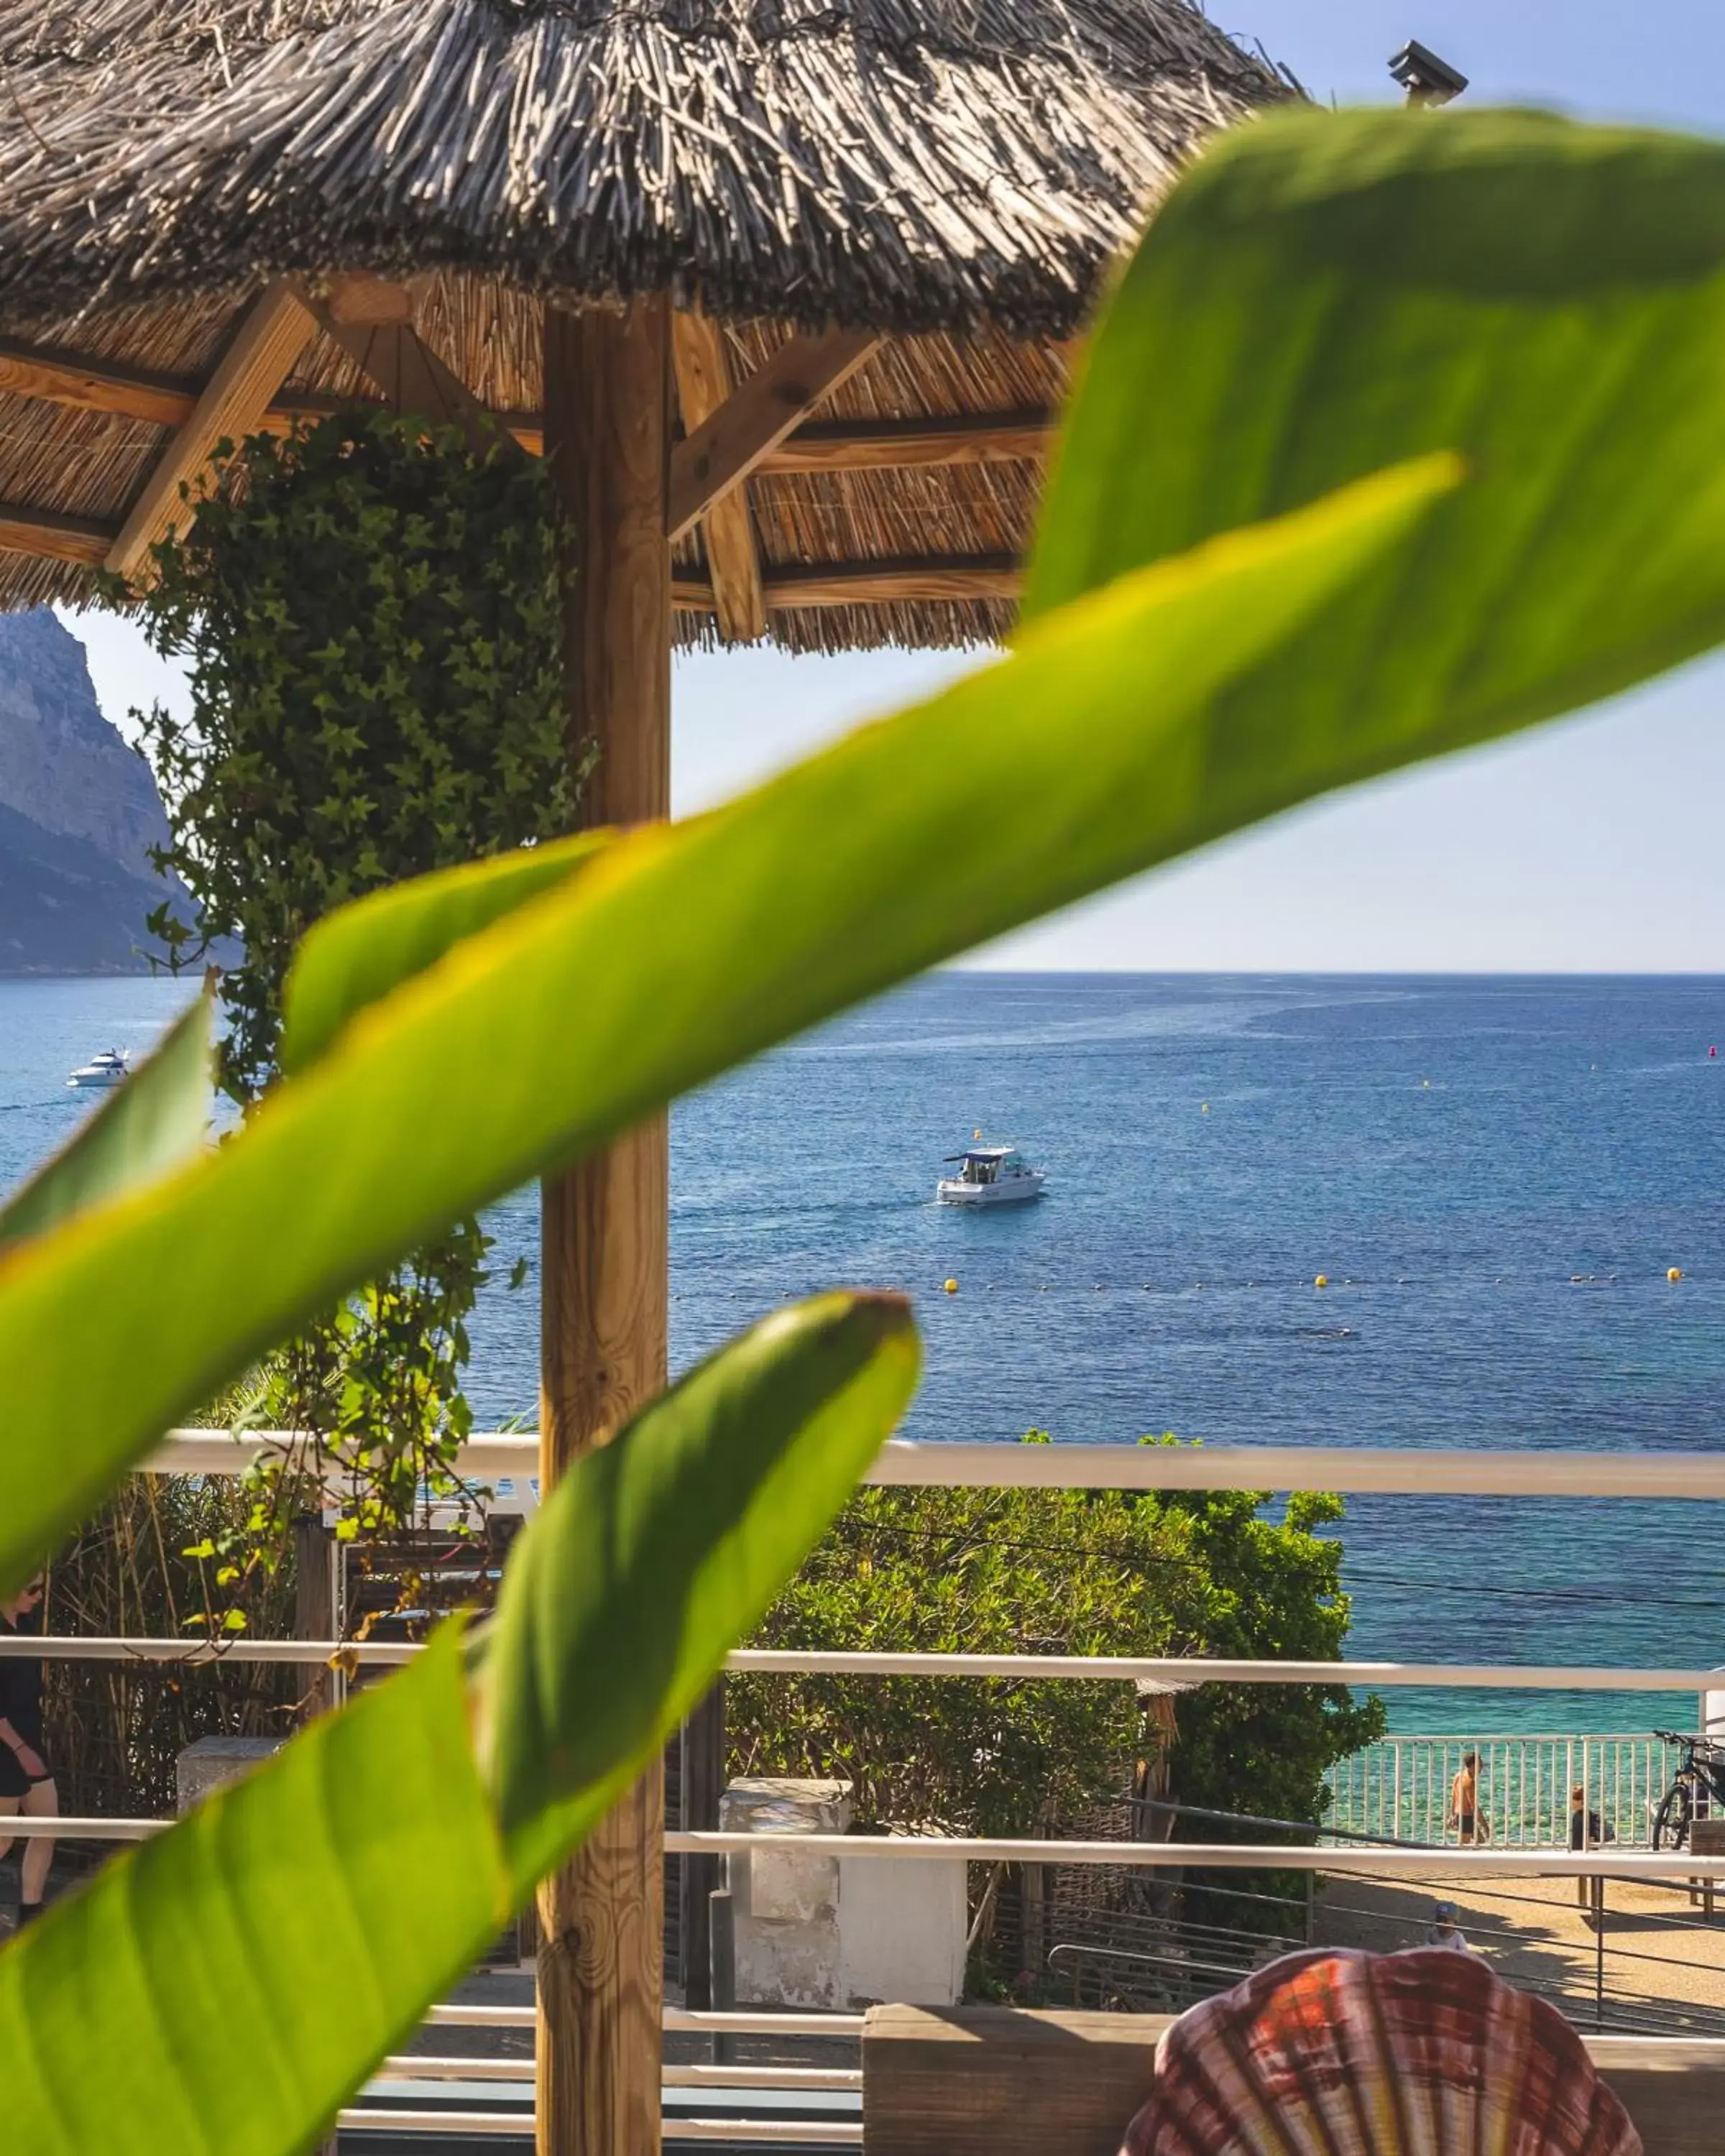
(1186, 1672)
(1407, 1470)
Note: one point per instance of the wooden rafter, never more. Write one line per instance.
(83, 384)
(80, 382)
(371, 321)
(703, 375)
(276, 329)
(964, 438)
(966, 577)
(755, 418)
(53, 538)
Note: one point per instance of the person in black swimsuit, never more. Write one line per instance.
(26, 1778)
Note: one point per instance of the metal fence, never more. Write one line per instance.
(1400, 1787)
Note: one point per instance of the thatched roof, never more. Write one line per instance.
(958, 173)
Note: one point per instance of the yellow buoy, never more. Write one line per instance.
(952, 1287)
(1323, 1280)
(1205, 1109)
(976, 1134)
(1674, 1272)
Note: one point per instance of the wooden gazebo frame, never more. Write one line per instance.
(792, 353)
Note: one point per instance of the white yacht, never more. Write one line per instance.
(112, 1067)
(989, 1175)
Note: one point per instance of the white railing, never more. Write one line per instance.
(1400, 1787)
(1405, 1471)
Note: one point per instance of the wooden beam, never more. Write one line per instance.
(605, 1225)
(964, 438)
(1003, 2082)
(968, 579)
(387, 348)
(354, 300)
(703, 373)
(275, 331)
(53, 538)
(82, 382)
(720, 454)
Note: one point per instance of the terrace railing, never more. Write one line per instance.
(509, 1465)
(1400, 1787)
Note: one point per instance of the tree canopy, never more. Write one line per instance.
(1057, 1571)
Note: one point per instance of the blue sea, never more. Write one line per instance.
(1494, 1175)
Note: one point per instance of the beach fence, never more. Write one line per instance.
(1400, 1787)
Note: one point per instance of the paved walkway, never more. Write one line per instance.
(1656, 1953)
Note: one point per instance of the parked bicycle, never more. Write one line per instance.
(1698, 1789)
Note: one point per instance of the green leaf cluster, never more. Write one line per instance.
(1004, 1572)
(371, 619)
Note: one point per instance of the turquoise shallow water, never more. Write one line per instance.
(1495, 1175)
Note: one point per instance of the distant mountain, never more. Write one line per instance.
(79, 811)
(65, 907)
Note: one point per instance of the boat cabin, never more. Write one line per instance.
(985, 1164)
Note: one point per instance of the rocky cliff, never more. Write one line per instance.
(79, 811)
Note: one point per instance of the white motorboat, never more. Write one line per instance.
(989, 1175)
(112, 1067)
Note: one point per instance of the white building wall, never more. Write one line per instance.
(828, 1933)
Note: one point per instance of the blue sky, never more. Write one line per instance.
(1594, 845)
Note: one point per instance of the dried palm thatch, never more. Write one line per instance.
(956, 172)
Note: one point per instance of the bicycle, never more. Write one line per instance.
(1699, 1781)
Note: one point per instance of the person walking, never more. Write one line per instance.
(1464, 1814)
(27, 1783)
(1586, 1832)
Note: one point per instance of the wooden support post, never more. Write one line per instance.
(702, 1784)
(604, 1236)
(314, 1605)
(703, 376)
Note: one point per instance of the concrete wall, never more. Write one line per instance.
(829, 1932)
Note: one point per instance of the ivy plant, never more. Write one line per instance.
(370, 620)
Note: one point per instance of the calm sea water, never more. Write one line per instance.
(1495, 1175)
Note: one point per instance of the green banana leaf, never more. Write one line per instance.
(357, 955)
(159, 1118)
(675, 954)
(1328, 294)
(227, 1985)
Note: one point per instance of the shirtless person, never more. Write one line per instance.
(26, 1780)
(1465, 1801)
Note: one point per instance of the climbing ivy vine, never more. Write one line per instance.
(371, 618)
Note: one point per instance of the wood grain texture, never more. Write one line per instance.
(352, 298)
(56, 538)
(998, 2081)
(604, 1236)
(409, 376)
(703, 373)
(273, 333)
(962, 438)
(83, 384)
(82, 381)
(755, 418)
(870, 583)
